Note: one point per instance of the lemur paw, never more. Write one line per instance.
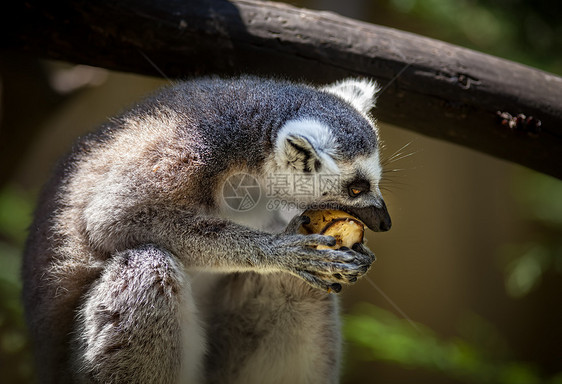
(326, 269)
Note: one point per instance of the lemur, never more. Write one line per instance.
(136, 271)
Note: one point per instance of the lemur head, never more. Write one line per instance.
(333, 142)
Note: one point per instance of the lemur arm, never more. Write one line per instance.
(211, 243)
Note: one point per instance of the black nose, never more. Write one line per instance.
(384, 220)
(376, 218)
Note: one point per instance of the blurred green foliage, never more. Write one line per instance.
(378, 335)
(15, 215)
(526, 31)
(525, 263)
(540, 198)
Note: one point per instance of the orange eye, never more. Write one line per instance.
(354, 192)
(358, 187)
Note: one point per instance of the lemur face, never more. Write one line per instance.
(340, 151)
(360, 194)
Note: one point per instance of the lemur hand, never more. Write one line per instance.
(326, 269)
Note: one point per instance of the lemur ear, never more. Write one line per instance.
(306, 146)
(361, 93)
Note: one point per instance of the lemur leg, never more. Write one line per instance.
(272, 328)
(135, 319)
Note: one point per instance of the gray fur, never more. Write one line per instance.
(132, 273)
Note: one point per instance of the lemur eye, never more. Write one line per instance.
(357, 188)
(355, 191)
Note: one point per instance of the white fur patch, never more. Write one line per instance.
(360, 93)
(371, 166)
(310, 134)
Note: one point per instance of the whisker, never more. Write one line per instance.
(389, 175)
(401, 149)
(395, 187)
(393, 304)
(393, 79)
(400, 156)
(395, 177)
(155, 66)
(386, 189)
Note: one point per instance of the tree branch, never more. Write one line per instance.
(431, 87)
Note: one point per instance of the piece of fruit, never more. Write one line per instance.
(346, 229)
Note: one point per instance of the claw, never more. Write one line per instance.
(335, 287)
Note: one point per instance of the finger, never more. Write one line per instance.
(313, 280)
(314, 240)
(361, 248)
(341, 276)
(295, 223)
(320, 282)
(329, 259)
